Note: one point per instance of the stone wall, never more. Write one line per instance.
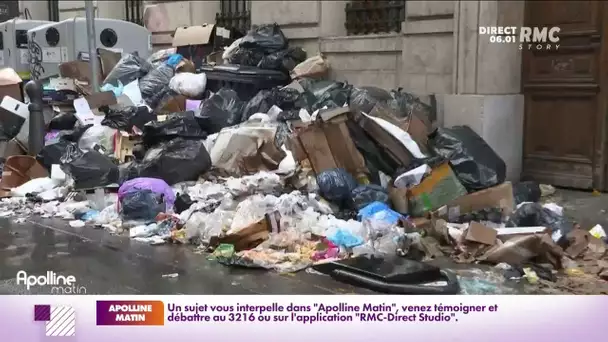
(437, 51)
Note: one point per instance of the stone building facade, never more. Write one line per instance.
(438, 50)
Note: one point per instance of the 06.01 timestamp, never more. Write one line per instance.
(503, 39)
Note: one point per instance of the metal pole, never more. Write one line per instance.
(93, 60)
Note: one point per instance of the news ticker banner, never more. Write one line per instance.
(303, 318)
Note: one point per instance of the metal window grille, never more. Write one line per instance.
(374, 16)
(134, 11)
(235, 15)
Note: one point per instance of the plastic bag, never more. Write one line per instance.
(268, 38)
(245, 56)
(526, 192)
(366, 194)
(535, 215)
(128, 69)
(142, 205)
(475, 163)
(88, 169)
(35, 186)
(52, 153)
(409, 104)
(183, 125)
(223, 109)
(160, 56)
(188, 84)
(314, 67)
(183, 202)
(284, 60)
(155, 85)
(97, 135)
(284, 98)
(157, 186)
(230, 50)
(328, 94)
(175, 161)
(125, 118)
(336, 186)
(63, 121)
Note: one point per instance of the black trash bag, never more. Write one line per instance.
(366, 98)
(183, 125)
(247, 57)
(175, 161)
(142, 205)
(155, 85)
(288, 115)
(373, 154)
(366, 194)
(494, 215)
(130, 68)
(88, 169)
(223, 109)
(125, 118)
(52, 153)
(63, 121)
(10, 125)
(128, 170)
(182, 203)
(534, 215)
(268, 38)
(284, 60)
(474, 162)
(410, 104)
(75, 134)
(328, 94)
(336, 186)
(526, 192)
(284, 98)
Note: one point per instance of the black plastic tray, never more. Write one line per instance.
(395, 275)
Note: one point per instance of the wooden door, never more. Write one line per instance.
(565, 96)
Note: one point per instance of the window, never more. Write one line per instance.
(134, 10)
(369, 16)
(234, 15)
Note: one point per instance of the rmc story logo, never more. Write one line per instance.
(59, 284)
(528, 38)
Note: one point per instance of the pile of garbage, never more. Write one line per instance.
(296, 175)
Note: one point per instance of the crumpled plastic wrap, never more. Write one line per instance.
(262, 183)
(97, 135)
(189, 84)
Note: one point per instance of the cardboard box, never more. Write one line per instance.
(393, 147)
(436, 190)
(329, 145)
(252, 235)
(10, 84)
(500, 196)
(195, 42)
(413, 126)
(124, 145)
(11, 148)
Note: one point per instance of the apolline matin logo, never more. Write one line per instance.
(59, 284)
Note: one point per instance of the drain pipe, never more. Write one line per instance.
(93, 60)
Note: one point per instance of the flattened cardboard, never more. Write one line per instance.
(10, 84)
(193, 35)
(477, 232)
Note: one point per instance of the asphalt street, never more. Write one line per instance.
(107, 264)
